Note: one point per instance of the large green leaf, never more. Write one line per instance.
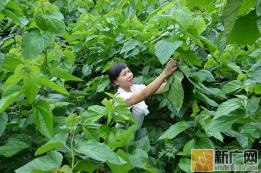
(246, 7)
(183, 17)
(138, 158)
(45, 163)
(174, 130)
(252, 106)
(252, 131)
(188, 146)
(43, 118)
(164, 49)
(204, 143)
(258, 13)
(203, 75)
(50, 23)
(31, 86)
(52, 85)
(228, 106)
(205, 98)
(10, 63)
(15, 144)
(189, 57)
(59, 140)
(185, 165)
(3, 122)
(245, 30)
(3, 3)
(255, 71)
(230, 14)
(16, 18)
(231, 86)
(98, 151)
(176, 92)
(241, 138)
(129, 45)
(34, 42)
(16, 77)
(9, 99)
(224, 123)
(63, 74)
(258, 7)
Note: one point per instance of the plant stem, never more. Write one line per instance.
(72, 153)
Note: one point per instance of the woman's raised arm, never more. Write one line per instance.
(153, 86)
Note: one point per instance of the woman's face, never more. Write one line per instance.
(125, 79)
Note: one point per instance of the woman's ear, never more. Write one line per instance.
(115, 82)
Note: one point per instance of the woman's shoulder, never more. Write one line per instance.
(138, 87)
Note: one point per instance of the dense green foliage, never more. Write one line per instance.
(54, 87)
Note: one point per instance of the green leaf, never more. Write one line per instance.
(189, 57)
(11, 63)
(176, 92)
(258, 13)
(58, 140)
(17, 19)
(234, 67)
(86, 70)
(43, 118)
(255, 71)
(252, 131)
(228, 106)
(9, 99)
(34, 42)
(258, 8)
(50, 23)
(45, 163)
(98, 151)
(174, 130)
(188, 146)
(3, 3)
(199, 24)
(205, 98)
(211, 46)
(3, 122)
(185, 165)
(231, 86)
(15, 144)
(224, 123)
(31, 87)
(16, 77)
(246, 7)
(252, 106)
(230, 14)
(100, 110)
(160, 10)
(203, 75)
(241, 138)
(129, 45)
(204, 143)
(164, 49)
(104, 83)
(63, 74)
(124, 137)
(245, 30)
(52, 85)
(183, 17)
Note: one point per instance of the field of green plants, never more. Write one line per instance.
(54, 87)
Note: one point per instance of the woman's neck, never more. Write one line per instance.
(128, 89)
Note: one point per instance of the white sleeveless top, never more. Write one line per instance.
(140, 109)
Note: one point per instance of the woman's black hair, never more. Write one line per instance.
(115, 70)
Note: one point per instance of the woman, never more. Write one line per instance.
(134, 94)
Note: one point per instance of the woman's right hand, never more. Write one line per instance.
(170, 67)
